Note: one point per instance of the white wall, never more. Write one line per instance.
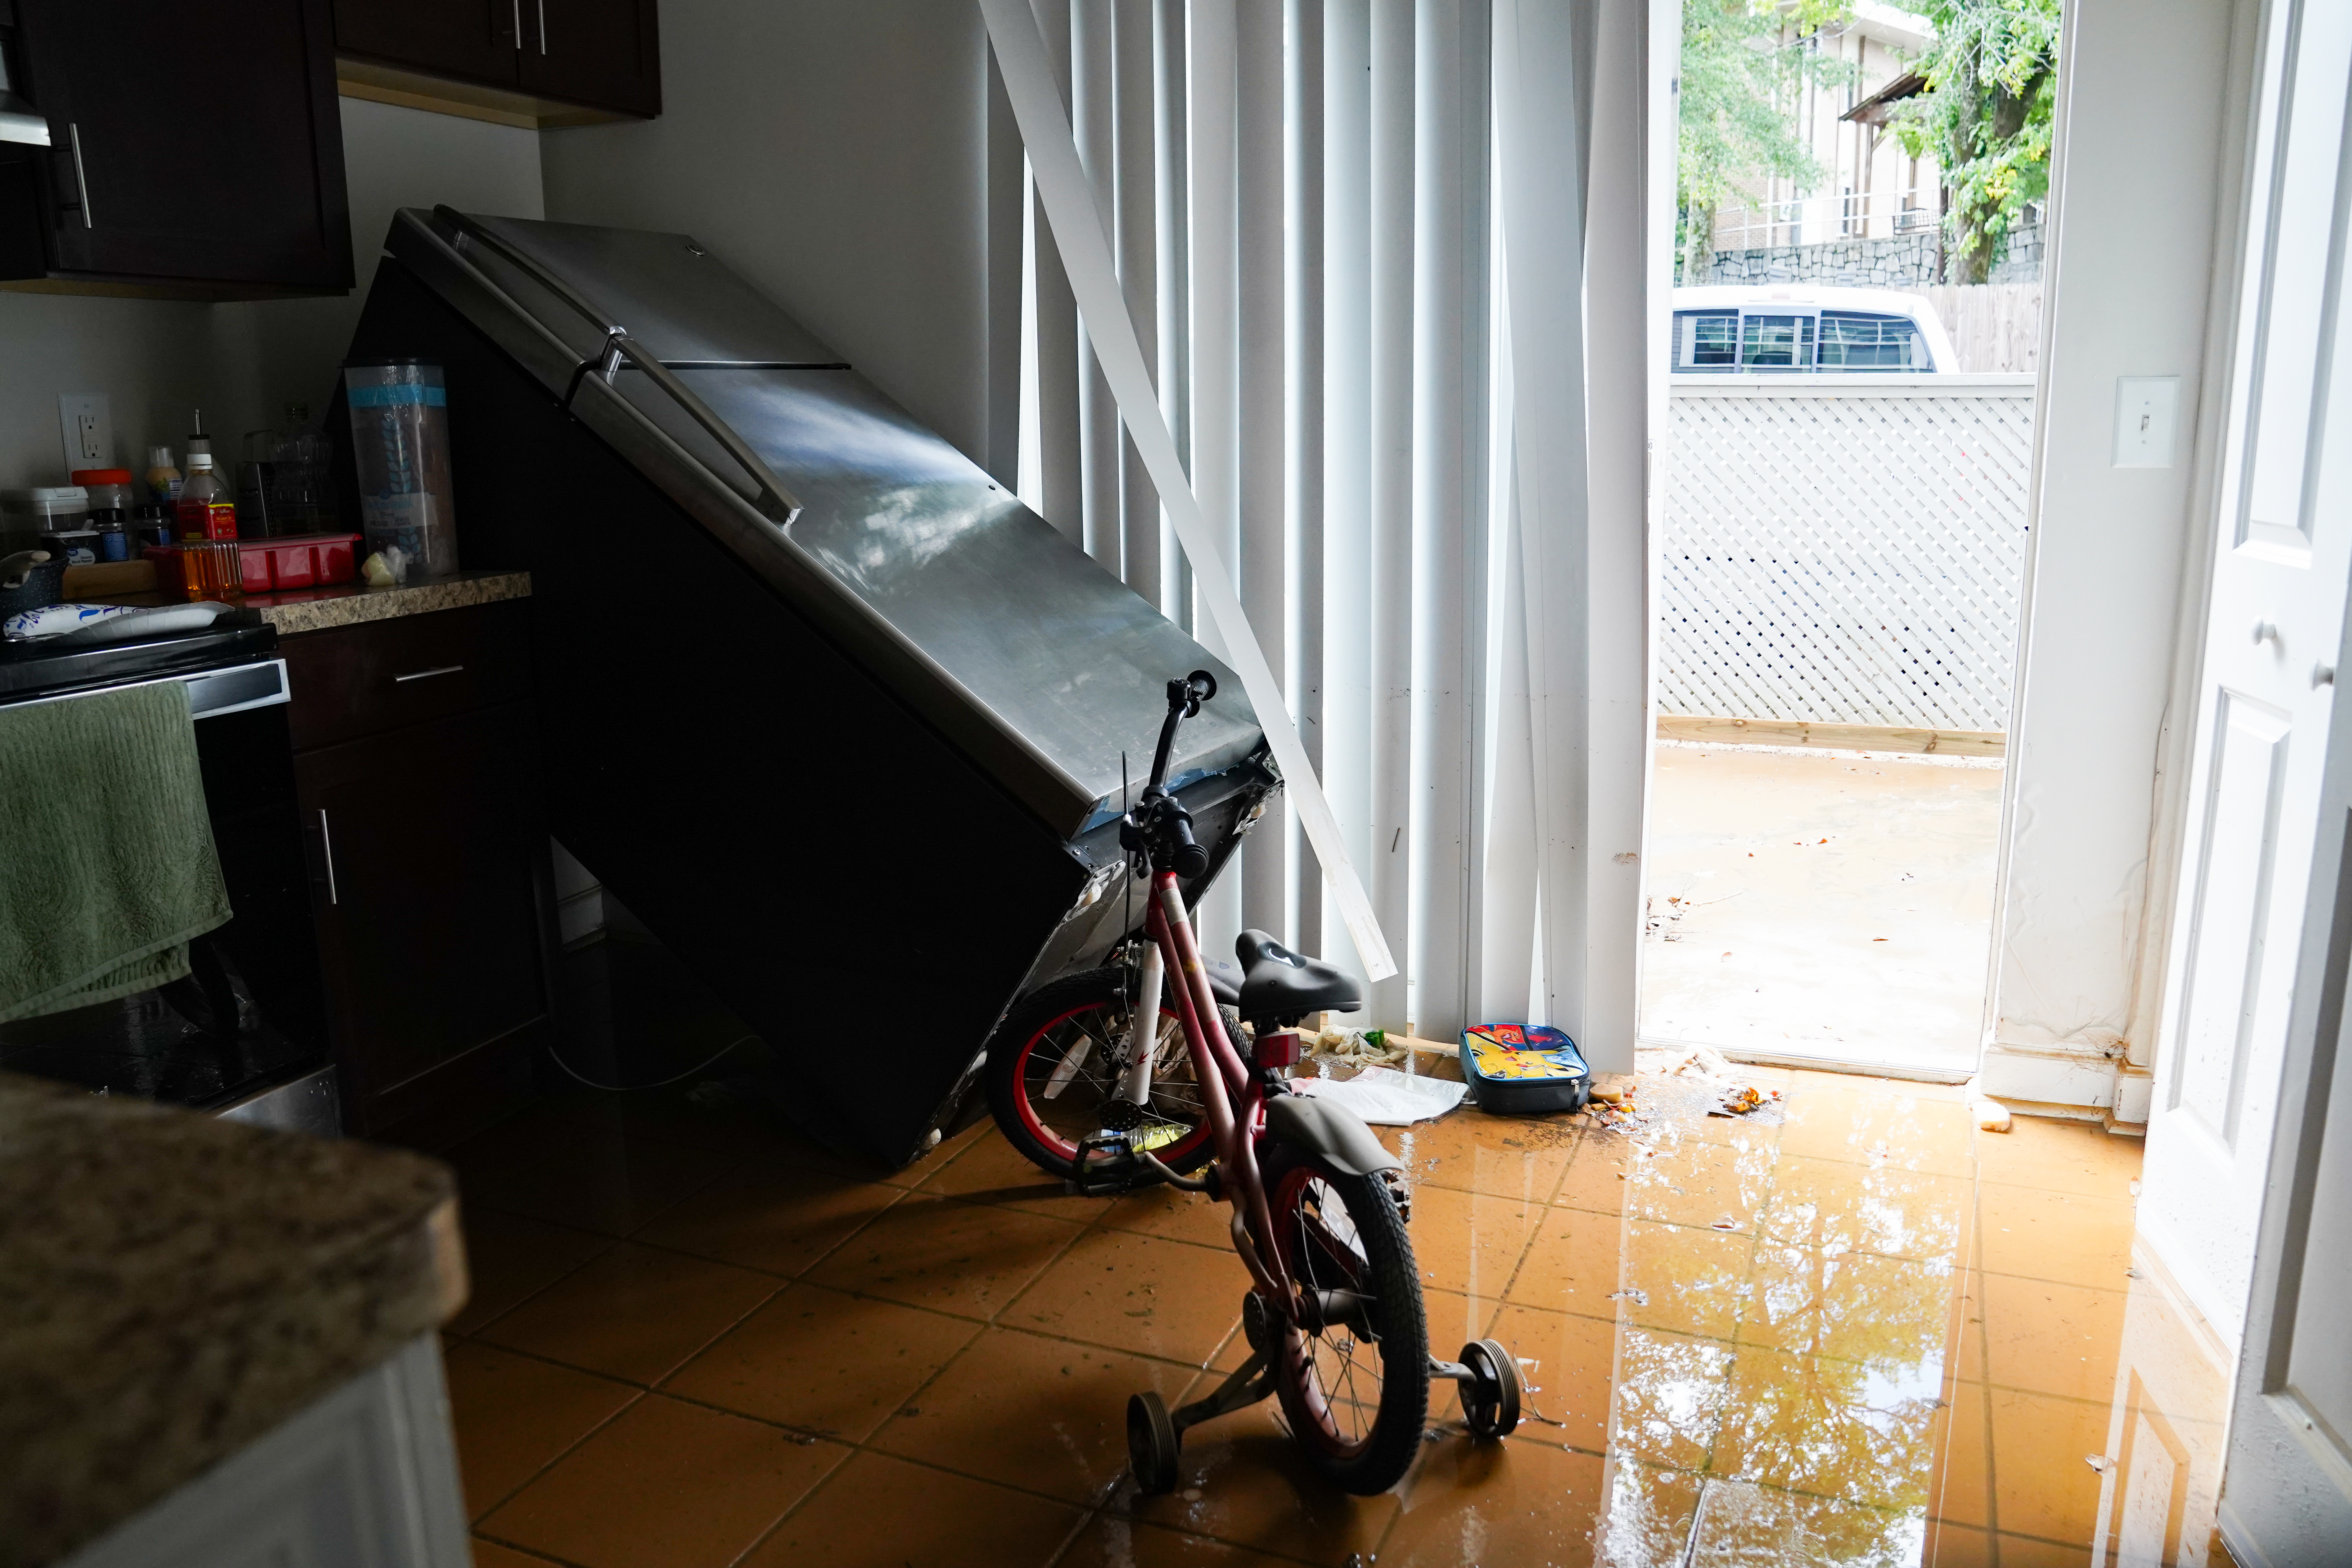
(2138, 188)
(242, 364)
(393, 158)
(833, 155)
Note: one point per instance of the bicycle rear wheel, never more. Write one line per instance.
(1355, 1391)
(1078, 1025)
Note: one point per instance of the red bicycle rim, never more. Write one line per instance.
(1321, 1430)
(1061, 1147)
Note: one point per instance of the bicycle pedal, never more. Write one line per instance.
(1106, 1167)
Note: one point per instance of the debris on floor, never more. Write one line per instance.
(1989, 1115)
(1353, 1048)
(1681, 1084)
(1387, 1098)
(1737, 1095)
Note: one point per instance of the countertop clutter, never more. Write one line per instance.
(179, 1285)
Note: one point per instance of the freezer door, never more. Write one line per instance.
(1049, 671)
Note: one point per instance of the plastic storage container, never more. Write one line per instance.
(264, 565)
(109, 489)
(281, 486)
(400, 446)
(26, 515)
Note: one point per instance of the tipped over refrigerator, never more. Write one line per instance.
(837, 717)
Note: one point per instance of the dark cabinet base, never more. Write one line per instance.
(431, 889)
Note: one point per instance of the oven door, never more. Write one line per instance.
(245, 1035)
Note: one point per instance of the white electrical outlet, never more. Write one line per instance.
(87, 419)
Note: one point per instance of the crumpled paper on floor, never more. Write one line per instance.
(1387, 1098)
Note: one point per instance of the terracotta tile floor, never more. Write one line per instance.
(1867, 1335)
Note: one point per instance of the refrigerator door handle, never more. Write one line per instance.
(775, 501)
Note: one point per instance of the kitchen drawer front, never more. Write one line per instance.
(385, 675)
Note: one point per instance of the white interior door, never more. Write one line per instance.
(2286, 1495)
(2282, 526)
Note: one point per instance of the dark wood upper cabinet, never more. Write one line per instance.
(547, 62)
(470, 38)
(196, 148)
(606, 53)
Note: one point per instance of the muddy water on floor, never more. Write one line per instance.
(1865, 1334)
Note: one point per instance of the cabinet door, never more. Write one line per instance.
(429, 841)
(193, 140)
(472, 40)
(605, 54)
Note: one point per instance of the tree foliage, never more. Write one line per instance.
(1992, 78)
(1743, 62)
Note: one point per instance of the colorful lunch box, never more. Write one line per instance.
(1524, 1069)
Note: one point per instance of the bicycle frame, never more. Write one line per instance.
(1231, 1092)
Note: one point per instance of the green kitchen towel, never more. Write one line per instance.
(107, 865)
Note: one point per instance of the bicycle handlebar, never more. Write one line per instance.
(1161, 824)
(1184, 700)
(1189, 859)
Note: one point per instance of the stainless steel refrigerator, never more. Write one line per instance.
(830, 712)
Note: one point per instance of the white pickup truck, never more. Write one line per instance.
(1777, 329)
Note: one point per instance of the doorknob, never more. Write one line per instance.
(2267, 631)
(2322, 674)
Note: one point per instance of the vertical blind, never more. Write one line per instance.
(1311, 206)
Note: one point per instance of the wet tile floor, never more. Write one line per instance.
(1869, 1334)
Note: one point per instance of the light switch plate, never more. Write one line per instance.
(2147, 412)
(87, 420)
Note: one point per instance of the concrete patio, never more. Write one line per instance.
(1821, 906)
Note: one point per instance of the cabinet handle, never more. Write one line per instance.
(81, 175)
(542, 26)
(429, 674)
(518, 24)
(327, 841)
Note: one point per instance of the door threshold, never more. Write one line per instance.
(1908, 1071)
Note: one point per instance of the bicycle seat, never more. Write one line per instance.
(1279, 983)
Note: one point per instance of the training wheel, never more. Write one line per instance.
(1490, 1401)
(1152, 1445)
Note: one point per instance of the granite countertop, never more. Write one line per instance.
(318, 609)
(177, 1284)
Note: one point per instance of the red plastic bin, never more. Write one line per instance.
(274, 565)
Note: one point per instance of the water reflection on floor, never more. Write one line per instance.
(1867, 1334)
(1871, 1335)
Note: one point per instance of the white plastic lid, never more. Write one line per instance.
(49, 501)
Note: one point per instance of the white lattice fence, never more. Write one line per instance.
(1845, 549)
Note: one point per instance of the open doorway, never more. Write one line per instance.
(1845, 480)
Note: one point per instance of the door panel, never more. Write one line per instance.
(2319, 1373)
(428, 929)
(2289, 374)
(2156, 1491)
(2282, 541)
(2226, 949)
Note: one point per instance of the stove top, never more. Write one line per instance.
(29, 669)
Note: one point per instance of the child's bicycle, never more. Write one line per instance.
(1091, 1093)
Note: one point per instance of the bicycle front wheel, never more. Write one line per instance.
(1355, 1391)
(1051, 1072)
